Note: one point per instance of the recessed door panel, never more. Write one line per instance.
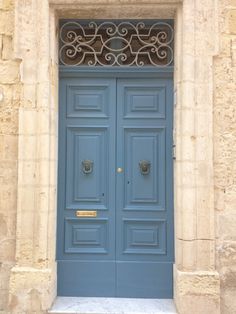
(87, 171)
(115, 209)
(86, 236)
(145, 168)
(87, 101)
(143, 236)
(144, 101)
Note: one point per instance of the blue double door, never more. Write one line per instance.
(115, 203)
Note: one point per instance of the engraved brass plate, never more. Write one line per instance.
(86, 213)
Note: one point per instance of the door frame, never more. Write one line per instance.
(126, 72)
(37, 47)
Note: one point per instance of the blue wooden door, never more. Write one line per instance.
(115, 142)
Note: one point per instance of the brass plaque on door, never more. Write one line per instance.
(86, 213)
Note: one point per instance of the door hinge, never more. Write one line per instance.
(174, 151)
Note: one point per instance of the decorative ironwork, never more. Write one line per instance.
(112, 43)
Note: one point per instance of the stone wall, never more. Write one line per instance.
(10, 87)
(225, 154)
(205, 80)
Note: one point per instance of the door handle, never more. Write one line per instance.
(87, 166)
(144, 166)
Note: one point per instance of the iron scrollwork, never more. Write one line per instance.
(110, 43)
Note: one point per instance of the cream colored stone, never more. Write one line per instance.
(231, 19)
(7, 47)
(29, 289)
(0, 46)
(9, 72)
(6, 22)
(233, 51)
(7, 5)
(198, 292)
(226, 224)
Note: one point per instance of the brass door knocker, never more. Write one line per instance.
(144, 166)
(87, 166)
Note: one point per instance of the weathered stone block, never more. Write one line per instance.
(197, 292)
(31, 290)
(7, 5)
(231, 21)
(9, 72)
(7, 47)
(6, 22)
(226, 253)
(8, 120)
(226, 227)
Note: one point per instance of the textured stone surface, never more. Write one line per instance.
(10, 88)
(225, 155)
(197, 292)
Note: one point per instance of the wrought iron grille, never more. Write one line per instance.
(116, 43)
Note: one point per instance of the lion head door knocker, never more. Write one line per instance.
(87, 166)
(144, 166)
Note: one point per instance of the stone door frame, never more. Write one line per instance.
(33, 278)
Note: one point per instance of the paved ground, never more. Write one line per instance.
(81, 305)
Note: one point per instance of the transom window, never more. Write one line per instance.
(116, 43)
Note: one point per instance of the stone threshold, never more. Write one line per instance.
(82, 305)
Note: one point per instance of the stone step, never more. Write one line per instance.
(81, 305)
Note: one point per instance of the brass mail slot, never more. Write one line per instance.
(86, 213)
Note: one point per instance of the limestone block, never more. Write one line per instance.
(7, 250)
(9, 72)
(228, 301)
(6, 22)
(231, 21)
(197, 292)
(27, 172)
(230, 200)
(7, 223)
(225, 45)
(226, 227)
(27, 147)
(187, 254)
(205, 256)
(188, 89)
(0, 46)
(27, 121)
(7, 48)
(7, 5)
(8, 197)
(8, 172)
(26, 199)
(3, 300)
(9, 147)
(226, 253)
(233, 52)
(31, 290)
(219, 199)
(11, 94)
(29, 95)
(204, 149)
(188, 148)
(224, 150)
